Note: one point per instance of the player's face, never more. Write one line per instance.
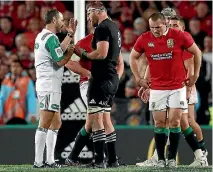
(167, 20)
(92, 17)
(157, 27)
(175, 24)
(59, 23)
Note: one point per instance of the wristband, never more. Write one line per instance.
(70, 34)
(84, 55)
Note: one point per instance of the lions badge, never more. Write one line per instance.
(170, 43)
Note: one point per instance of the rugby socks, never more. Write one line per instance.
(202, 145)
(191, 139)
(40, 139)
(99, 138)
(174, 138)
(80, 141)
(110, 144)
(160, 142)
(50, 145)
(155, 154)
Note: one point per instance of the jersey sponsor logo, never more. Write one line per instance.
(85, 153)
(70, 77)
(75, 112)
(59, 51)
(151, 44)
(170, 43)
(163, 56)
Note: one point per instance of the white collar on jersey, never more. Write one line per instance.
(165, 33)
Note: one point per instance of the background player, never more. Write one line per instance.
(49, 62)
(200, 159)
(166, 91)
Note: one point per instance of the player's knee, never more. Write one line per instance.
(174, 123)
(184, 124)
(88, 126)
(160, 124)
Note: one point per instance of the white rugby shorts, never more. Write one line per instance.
(160, 100)
(49, 101)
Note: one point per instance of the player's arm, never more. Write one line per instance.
(191, 47)
(143, 67)
(136, 52)
(100, 52)
(147, 74)
(197, 58)
(77, 68)
(102, 44)
(120, 65)
(53, 46)
(189, 65)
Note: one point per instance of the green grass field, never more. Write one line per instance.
(130, 168)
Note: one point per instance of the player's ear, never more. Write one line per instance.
(54, 20)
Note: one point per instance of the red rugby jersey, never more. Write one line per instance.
(85, 43)
(164, 55)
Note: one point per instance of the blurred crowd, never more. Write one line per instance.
(21, 21)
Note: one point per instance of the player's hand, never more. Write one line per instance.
(72, 26)
(143, 83)
(190, 81)
(145, 95)
(81, 52)
(140, 91)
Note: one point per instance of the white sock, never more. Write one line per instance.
(198, 153)
(155, 155)
(50, 145)
(40, 139)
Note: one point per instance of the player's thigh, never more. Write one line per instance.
(45, 118)
(158, 100)
(159, 118)
(107, 120)
(56, 121)
(175, 115)
(177, 99)
(184, 123)
(193, 99)
(83, 91)
(191, 112)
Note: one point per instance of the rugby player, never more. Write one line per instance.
(168, 92)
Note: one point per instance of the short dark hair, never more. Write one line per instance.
(179, 19)
(156, 16)
(97, 5)
(49, 15)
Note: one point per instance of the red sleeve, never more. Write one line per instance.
(187, 55)
(139, 45)
(186, 39)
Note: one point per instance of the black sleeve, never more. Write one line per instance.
(102, 34)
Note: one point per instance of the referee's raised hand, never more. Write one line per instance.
(72, 26)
